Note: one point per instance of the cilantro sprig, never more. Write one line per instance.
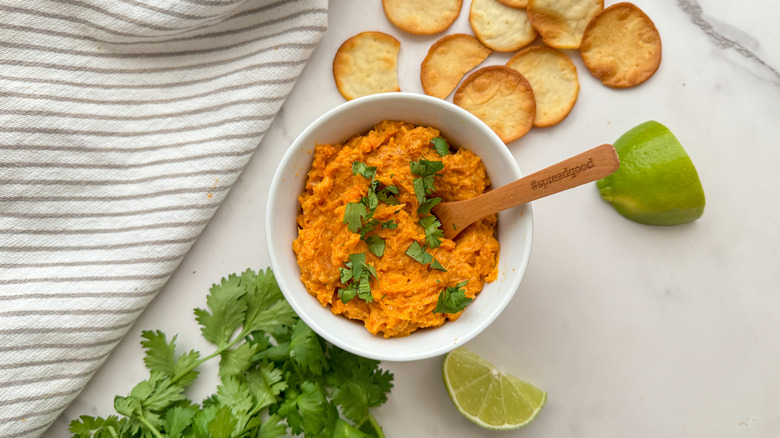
(276, 377)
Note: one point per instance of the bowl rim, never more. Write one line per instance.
(294, 149)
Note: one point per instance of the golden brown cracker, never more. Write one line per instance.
(422, 17)
(448, 60)
(367, 64)
(499, 27)
(561, 23)
(553, 78)
(515, 3)
(500, 97)
(621, 46)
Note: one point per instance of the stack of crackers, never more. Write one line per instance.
(538, 86)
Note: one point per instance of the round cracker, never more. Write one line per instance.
(500, 97)
(621, 46)
(515, 3)
(561, 24)
(367, 64)
(448, 60)
(553, 78)
(422, 17)
(501, 28)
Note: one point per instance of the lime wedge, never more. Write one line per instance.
(656, 183)
(487, 396)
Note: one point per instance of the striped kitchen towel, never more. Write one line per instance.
(123, 124)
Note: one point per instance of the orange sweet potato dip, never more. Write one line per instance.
(405, 291)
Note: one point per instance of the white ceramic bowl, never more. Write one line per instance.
(461, 129)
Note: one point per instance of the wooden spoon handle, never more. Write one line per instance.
(583, 168)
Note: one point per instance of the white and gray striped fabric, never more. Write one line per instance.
(123, 124)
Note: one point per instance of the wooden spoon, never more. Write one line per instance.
(580, 169)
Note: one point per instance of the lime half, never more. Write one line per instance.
(486, 396)
(656, 183)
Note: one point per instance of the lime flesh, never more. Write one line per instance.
(488, 397)
(656, 183)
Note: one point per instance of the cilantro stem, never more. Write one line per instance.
(216, 353)
(151, 427)
(379, 433)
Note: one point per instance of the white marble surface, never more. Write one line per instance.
(634, 330)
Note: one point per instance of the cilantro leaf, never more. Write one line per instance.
(427, 205)
(223, 423)
(368, 227)
(305, 349)
(234, 394)
(345, 430)
(368, 172)
(358, 262)
(437, 266)
(433, 234)
(358, 383)
(418, 253)
(371, 201)
(266, 307)
(364, 288)
(419, 189)
(160, 354)
(178, 419)
(238, 360)
(272, 428)
(354, 213)
(452, 299)
(265, 382)
(227, 311)
(424, 167)
(388, 195)
(346, 294)
(441, 146)
(376, 245)
(97, 427)
(305, 411)
(390, 225)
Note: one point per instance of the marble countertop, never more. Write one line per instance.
(633, 330)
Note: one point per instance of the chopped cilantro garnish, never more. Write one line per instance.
(441, 146)
(452, 299)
